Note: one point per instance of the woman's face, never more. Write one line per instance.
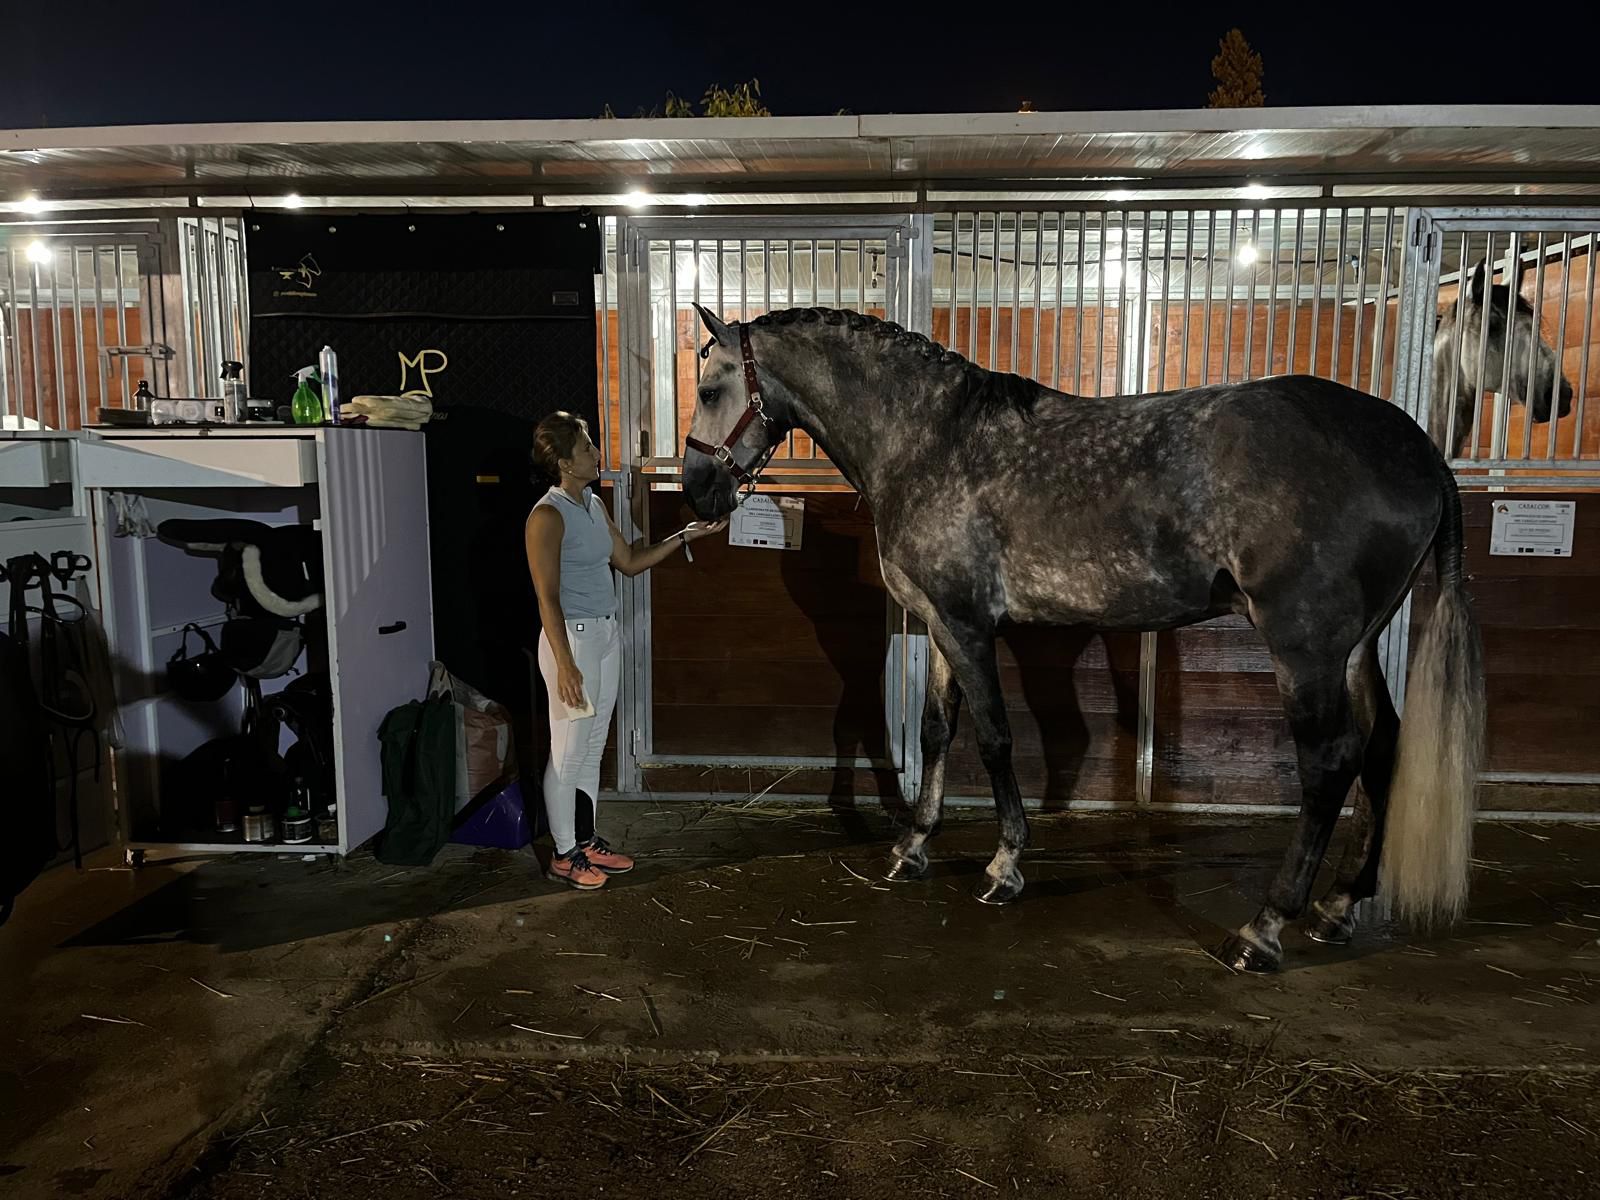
(585, 460)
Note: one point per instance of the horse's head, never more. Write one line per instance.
(1512, 333)
(727, 440)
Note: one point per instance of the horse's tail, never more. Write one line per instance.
(1428, 845)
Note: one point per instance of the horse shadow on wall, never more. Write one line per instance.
(847, 613)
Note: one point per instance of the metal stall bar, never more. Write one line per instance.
(977, 280)
(77, 325)
(1272, 294)
(1356, 343)
(1188, 302)
(1533, 336)
(1449, 400)
(11, 330)
(33, 341)
(1583, 369)
(993, 362)
(1316, 288)
(1483, 347)
(605, 351)
(102, 363)
(1382, 385)
(1038, 290)
(1205, 318)
(1338, 293)
(1253, 245)
(1294, 293)
(1142, 360)
(1055, 317)
(951, 340)
(1122, 300)
(60, 381)
(1166, 295)
(1077, 292)
(1498, 435)
(1561, 342)
(1100, 310)
(122, 323)
(1016, 292)
(1227, 313)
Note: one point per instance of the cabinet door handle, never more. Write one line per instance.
(395, 628)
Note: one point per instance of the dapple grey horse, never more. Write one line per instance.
(1302, 504)
(1486, 342)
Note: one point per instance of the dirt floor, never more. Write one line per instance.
(752, 1013)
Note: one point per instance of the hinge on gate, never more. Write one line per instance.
(633, 744)
(1427, 248)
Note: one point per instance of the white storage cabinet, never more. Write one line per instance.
(364, 489)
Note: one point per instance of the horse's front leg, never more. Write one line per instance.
(971, 654)
(909, 858)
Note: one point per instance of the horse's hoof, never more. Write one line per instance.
(905, 868)
(990, 890)
(1237, 954)
(1320, 927)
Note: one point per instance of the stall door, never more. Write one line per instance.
(751, 664)
(380, 613)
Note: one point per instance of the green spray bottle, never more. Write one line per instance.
(306, 407)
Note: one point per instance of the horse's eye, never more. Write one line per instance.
(708, 395)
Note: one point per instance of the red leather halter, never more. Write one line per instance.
(746, 477)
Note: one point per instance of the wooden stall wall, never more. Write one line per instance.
(77, 394)
(772, 653)
(1541, 639)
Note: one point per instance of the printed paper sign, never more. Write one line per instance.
(762, 523)
(1539, 527)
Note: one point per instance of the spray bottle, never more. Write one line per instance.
(233, 398)
(306, 407)
(329, 362)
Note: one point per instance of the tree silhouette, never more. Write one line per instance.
(718, 101)
(1237, 70)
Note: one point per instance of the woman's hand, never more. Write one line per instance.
(695, 530)
(569, 685)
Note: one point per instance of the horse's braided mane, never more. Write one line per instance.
(978, 391)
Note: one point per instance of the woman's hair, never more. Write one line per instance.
(555, 439)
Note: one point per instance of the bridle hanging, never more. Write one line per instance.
(746, 477)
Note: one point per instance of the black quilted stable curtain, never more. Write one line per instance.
(494, 310)
(491, 316)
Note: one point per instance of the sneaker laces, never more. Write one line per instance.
(599, 845)
(578, 861)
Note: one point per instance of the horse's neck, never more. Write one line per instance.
(1447, 384)
(857, 428)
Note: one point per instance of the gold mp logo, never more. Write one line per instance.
(424, 367)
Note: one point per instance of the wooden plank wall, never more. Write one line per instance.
(1541, 638)
(772, 652)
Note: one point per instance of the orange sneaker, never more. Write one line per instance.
(605, 858)
(575, 870)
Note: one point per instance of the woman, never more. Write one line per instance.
(572, 545)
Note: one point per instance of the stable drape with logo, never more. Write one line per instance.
(489, 315)
(490, 310)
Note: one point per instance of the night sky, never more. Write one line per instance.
(84, 62)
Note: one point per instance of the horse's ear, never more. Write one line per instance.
(1475, 289)
(715, 325)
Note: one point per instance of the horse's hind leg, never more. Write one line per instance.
(1328, 744)
(1332, 918)
(909, 858)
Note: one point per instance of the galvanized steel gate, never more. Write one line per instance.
(1103, 299)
